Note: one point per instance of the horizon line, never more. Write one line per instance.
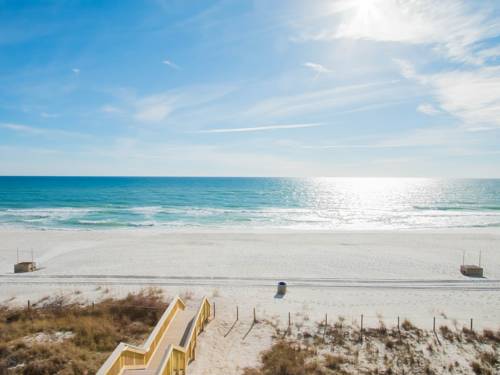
(242, 177)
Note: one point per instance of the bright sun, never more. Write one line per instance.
(365, 18)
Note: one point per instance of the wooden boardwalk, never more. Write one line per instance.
(169, 348)
(174, 335)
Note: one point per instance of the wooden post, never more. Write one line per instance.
(434, 325)
(361, 332)
(254, 316)
(326, 325)
(289, 319)
(214, 310)
(471, 324)
(29, 305)
(237, 313)
(398, 325)
(93, 305)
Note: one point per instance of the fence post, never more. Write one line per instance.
(237, 313)
(434, 324)
(214, 310)
(326, 325)
(289, 319)
(398, 325)
(254, 316)
(29, 305)
(361, 332)
(471, 324)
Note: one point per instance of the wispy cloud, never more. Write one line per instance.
(349, 146)
(472, 95)
(311, 102)
(154, 108)
(262, 128)
(171, 64)
(428, 109)
(407, 69)
(33, 131)
(162, 106)
(49, 115)
(489, 53)
(76, 71)
(317, 68)
(439, 137)
(453, 27)
(110, 109)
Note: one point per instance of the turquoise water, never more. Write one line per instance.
(267, 203)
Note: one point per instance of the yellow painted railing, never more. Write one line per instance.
(176, 358)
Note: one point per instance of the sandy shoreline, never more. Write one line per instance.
(9, 228)
(388, 262)
(381, 274)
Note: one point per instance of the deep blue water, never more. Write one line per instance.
(293, 203)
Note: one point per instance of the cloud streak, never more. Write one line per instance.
(428, 109)
(166, 105)
(171, 64)
(318, 68)
(110, 109)
(439, 138)
(154, 108)
(311, 102)
(49, 115)
(349, 146)
(33, 131)
(262, 128)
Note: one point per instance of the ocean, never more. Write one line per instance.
(248, 203)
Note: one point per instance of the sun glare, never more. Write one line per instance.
(362, 18)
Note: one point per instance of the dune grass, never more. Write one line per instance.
(60, 336)
(340, 349)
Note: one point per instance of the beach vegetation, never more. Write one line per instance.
(58, 335)
(491, 336)
(341, 349)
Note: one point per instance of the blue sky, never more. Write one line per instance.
(250, 88)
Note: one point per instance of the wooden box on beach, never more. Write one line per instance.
(471, 270)
(24, 267)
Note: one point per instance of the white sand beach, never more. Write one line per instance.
(385, 274)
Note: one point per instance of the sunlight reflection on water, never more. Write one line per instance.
(295, 203)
